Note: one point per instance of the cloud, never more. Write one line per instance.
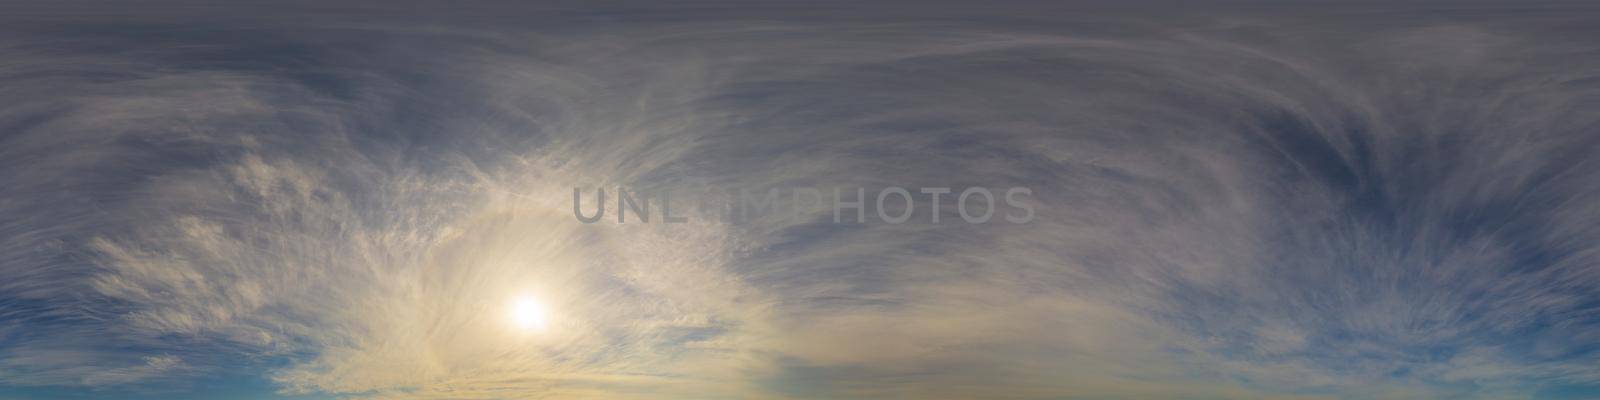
(1234, 205)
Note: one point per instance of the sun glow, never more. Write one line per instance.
(529, 314)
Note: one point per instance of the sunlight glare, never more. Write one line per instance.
(527, 313)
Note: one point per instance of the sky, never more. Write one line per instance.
(1230, 200)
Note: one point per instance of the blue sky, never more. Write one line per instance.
(331, 200)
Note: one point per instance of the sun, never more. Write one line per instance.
(529, 314)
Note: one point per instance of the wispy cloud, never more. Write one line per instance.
(1234, 204)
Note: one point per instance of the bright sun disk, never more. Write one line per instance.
(528, 313)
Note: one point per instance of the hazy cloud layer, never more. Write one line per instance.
(1255, 202)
